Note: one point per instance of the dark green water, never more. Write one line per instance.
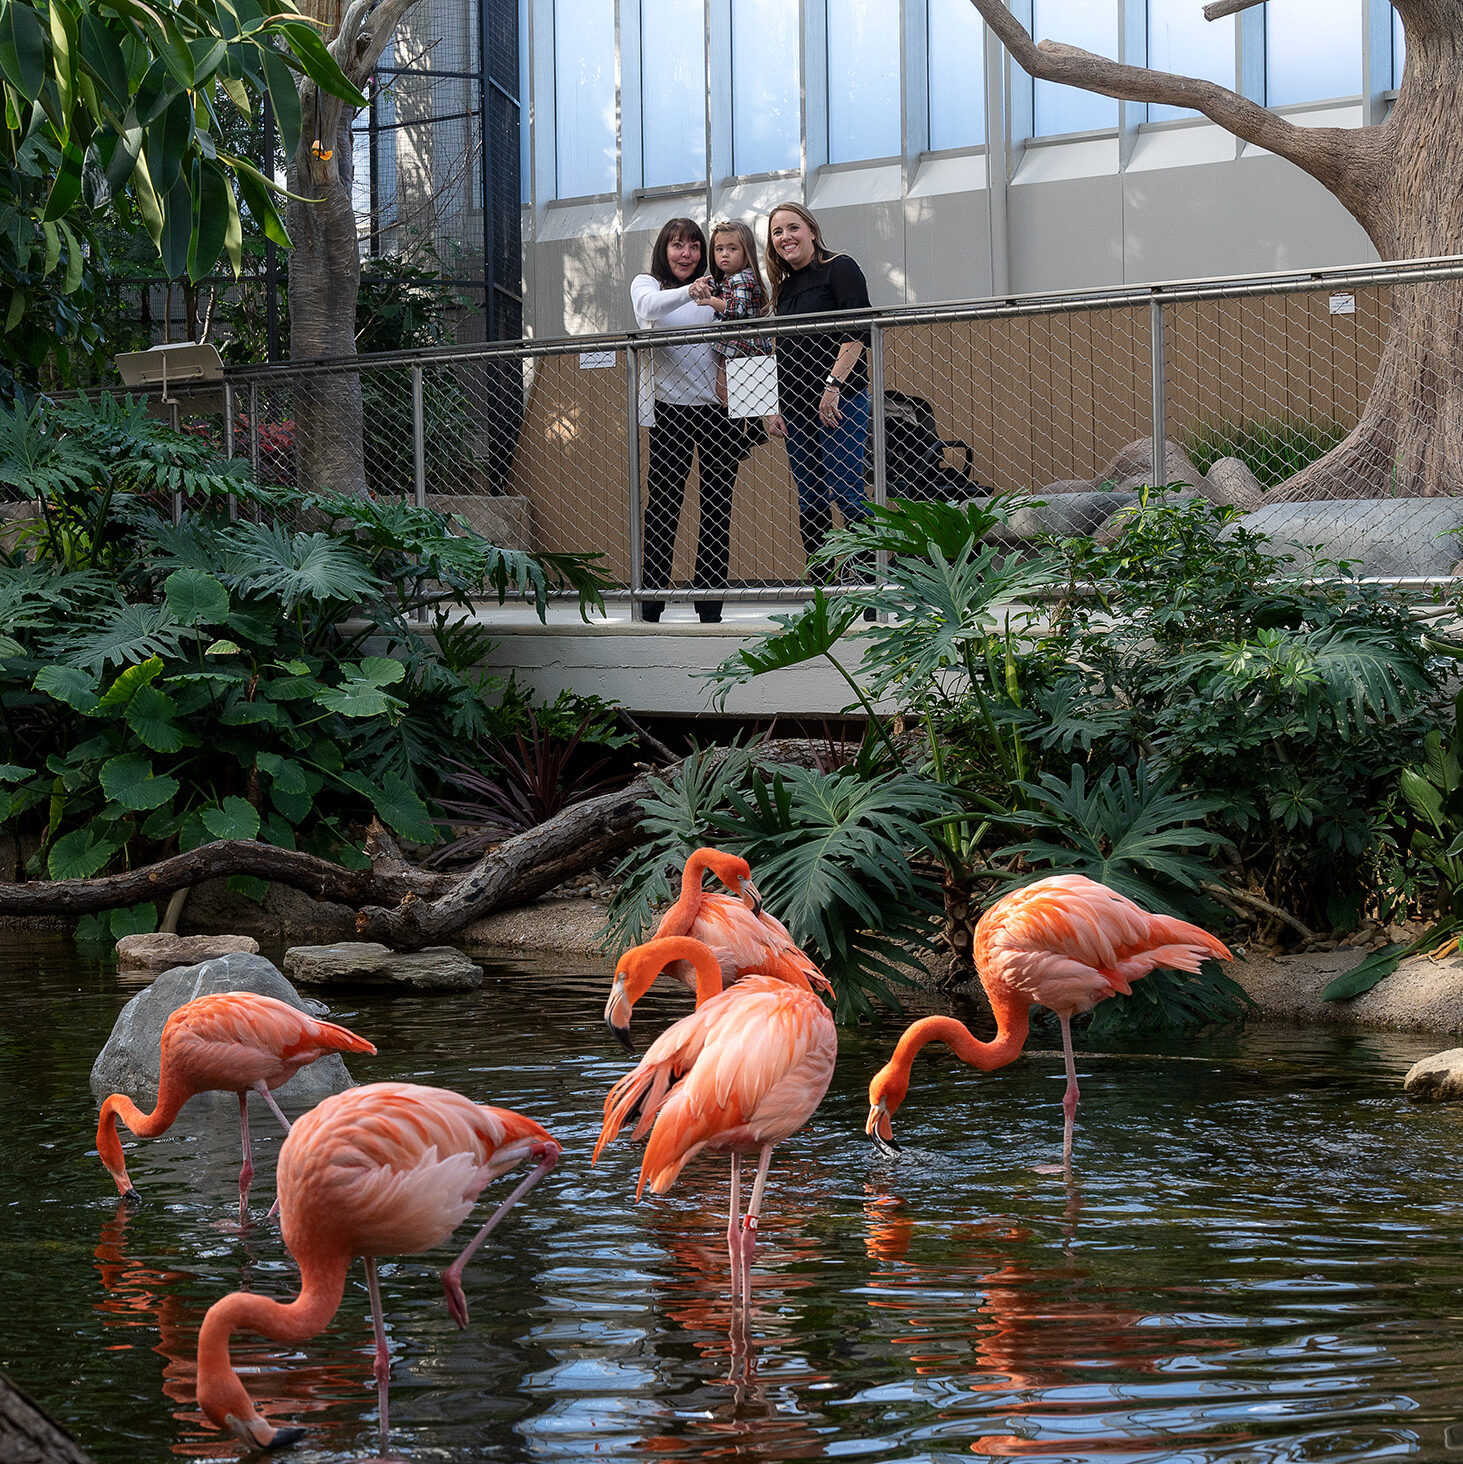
(1259, 1262)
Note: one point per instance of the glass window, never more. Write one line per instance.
(525, 163)
(957, 75)
(584, 97)
(1399, 50)
(1181, 40)
(672, 91)
(766, 86)
(863, 80)
(1312, 50)
(1093, 25)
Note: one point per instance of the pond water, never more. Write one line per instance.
(1259, 1259)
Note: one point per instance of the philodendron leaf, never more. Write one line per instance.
(196, 598)
(130, 781)
(397, 803)
(151, 714)
(126, 686)
(236, 818)
(133, 920)
(70, 685)
(80, 854)
(357, 699)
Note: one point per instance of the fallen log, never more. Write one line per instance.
(396, 903)
(316, 876)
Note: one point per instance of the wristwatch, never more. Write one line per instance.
(832, 381)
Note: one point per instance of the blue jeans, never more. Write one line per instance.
(827, 465)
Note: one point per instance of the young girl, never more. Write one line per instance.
(738, 294)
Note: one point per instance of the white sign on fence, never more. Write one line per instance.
(1343, 304)
(595, 360)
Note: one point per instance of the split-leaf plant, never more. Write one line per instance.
(263, 676)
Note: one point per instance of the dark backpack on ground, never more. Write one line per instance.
(915, 465)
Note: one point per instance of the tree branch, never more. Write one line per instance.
(1241, 901)
(1220, 8)
(318, 877)
(1326, 153)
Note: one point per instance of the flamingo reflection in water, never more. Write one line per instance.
(143, 1305)
(1034, 1332)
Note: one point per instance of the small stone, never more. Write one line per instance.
(1134, 465)
(162, 951)
(359, 963)
(1436, 1079)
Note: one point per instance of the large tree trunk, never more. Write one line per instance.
(325, 277)
(1402, 181)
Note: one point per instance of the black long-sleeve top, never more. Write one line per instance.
(804, 361)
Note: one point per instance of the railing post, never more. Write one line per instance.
(418, 452)
(254, 429)
(877, 433)
(1160, 428)
(632, 440)
(229, 442)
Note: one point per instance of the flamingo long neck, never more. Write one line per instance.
(1013, 1022)
(220, 1392)
(682, 914)
(708, 974)
(171, 1097)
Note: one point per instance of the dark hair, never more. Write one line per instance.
(660, 257)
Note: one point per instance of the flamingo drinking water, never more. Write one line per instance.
(381, 1170)
(230, 1042)
(1065, 943)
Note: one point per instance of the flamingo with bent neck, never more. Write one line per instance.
(381, 1170)
(1066, 943)
(740, 1074)
(743, 935)
(231, 1042)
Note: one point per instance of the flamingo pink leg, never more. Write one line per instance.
(268, 1097)
(452, 1276)
(1070, 1097)
(246, 1171)
(733, 1218)
(748, 1237)
(382, 1366)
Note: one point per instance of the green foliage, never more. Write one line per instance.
(1273, 449)
(126, 102)
(163, 685)
(831, 851)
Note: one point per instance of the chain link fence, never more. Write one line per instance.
(610, 445)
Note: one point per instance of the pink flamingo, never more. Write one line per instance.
(381, 1170)
(230, 1042)
(743, 936)
(740, 1074)
(1065, 943)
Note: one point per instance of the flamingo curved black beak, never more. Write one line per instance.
(877, 1128)
(617, 1015)
(752, 897)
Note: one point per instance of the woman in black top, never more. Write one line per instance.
(822, 379)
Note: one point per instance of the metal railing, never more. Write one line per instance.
(1069, 396)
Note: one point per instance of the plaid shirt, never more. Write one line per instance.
(745, 301)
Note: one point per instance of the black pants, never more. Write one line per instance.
(718, 442)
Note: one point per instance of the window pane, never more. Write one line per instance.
(673, 91)
(957, 75)
(863, 80)
(1093, 25)
(525, 160)
(584, 96)
(766, 90)
(1399, 50)
(1312, 50)
(1181, 40)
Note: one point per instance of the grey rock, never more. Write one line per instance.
(161, 951)
(1231, 484)
(130, 1060)
(1381, 536)
(1066, 485)
(1436, 1079)
(363, 963)
(1065, 516)
(1132, 468)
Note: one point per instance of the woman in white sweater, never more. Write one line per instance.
(688, 418)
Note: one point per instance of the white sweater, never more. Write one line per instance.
(685, 375)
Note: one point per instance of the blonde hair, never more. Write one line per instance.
(777, 269)
(749, 252)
